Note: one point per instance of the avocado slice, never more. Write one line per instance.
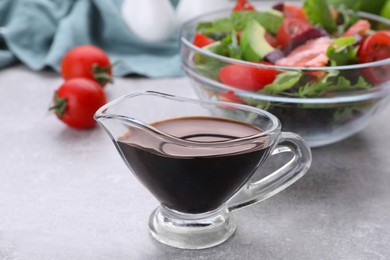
(253, 44)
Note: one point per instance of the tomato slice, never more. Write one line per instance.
(243, 5)
(294, 11)
(291, 27)
(201, 40)
(373, 48)
(247, 77)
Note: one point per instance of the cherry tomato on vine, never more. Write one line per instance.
(291, 28)
(87, 61)
(373, 48)
(246, 77)
(77, 100)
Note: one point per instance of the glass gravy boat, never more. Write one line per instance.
(198, 159)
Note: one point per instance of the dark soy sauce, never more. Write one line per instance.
(192, 179)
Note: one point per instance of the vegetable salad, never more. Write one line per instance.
(316, 35)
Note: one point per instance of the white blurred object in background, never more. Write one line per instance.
(188, 9)
(150, 20)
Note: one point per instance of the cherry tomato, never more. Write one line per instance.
(77, 100)
(361, 27)
(291, 28)
(201, 40)
(246, 77)
(373, 48)
(89, 62)
(294, 11)
(243, 5)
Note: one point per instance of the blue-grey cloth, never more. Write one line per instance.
(39, 32)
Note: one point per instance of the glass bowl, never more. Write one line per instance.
(320, 120)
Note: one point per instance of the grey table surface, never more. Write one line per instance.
(66, 194)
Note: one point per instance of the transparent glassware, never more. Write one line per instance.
(320, 119)
(199, 183)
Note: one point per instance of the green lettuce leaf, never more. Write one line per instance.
(283, 82)
(209, 66)
(344, 42)
(373, 6)
(342, 52)
(217, 29)
(270, 20)
(231, 47)
(210, 69)
(333, 82)
(319, 14)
